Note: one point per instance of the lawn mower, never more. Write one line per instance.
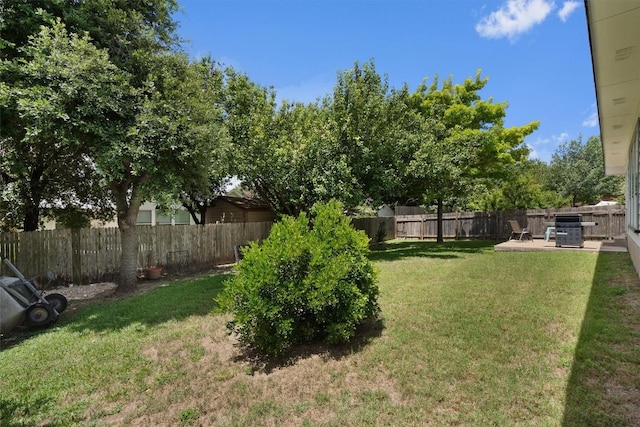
(22, 304)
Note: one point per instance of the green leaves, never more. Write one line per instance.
(521, 187)
(62, 92)
(465, 139)
(350, 146)
(310, 280)
(362, 111)
(577, 172)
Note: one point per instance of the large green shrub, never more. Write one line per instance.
(306, 282)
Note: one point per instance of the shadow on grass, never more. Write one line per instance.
(173, 301)
(178, 301)
(11, 410)
(365, 334)
(603, 385)
(398, 249)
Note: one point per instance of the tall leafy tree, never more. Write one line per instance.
(465, 140)
(577, 172)
(60, 94)
(343, 147)
(367, 132)
(249, 114)
(161, 132)
(285, 154)
(170, 142)
(196, 190)
(314, 168)
(523, 186)
(129, 32)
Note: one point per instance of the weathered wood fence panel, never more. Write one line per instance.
(90, 255)
(454, 225)
(35, 252)
(481, 225)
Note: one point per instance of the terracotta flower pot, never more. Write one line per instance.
(154, 273)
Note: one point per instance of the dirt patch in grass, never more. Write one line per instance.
(86, 292)
(223, 384)
(80, 295)
(627, 397)
(310, 389)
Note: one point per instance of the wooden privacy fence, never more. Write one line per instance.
(494, 225)
(90, 255)
(93, 254)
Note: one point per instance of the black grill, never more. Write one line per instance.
(569, 230)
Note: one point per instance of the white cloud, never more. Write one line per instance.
(543, 148)
(592, 121)
(540, 141)
(563, 137)
(515, 17)
(567, 9)
(553, 139)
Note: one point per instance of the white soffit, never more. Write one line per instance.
(614, 31)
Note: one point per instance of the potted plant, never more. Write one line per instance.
(154, 272)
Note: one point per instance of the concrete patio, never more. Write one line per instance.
(616, 245)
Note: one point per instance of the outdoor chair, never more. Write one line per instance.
(551, 231)
(517, 232)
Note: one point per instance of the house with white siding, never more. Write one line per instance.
(614, 36)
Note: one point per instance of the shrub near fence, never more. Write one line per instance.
(93, 254)
(494, 225)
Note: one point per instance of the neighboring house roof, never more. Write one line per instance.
(614, 35)
(606, 203)
(244, 203)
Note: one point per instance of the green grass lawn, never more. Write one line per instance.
(469, 336)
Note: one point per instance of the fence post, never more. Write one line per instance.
(610, 226)
(76, 256)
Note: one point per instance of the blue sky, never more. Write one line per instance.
(534, 52)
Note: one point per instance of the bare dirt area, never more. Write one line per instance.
(92, 291)
(79, 295)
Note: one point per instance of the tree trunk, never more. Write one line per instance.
(128, 282)
(32, 198)
(31, 218)
(127, 216)
(440, 237)
(203, 214)
(194, 212)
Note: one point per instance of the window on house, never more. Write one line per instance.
(182, 217)
(144, 217)
(162, 219)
